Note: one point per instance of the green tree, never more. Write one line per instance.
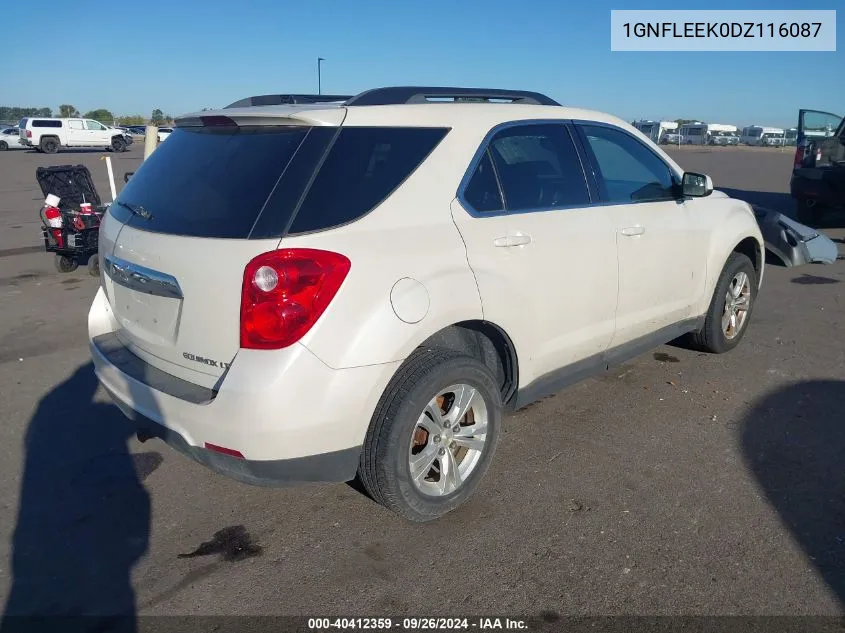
(101, 114)
(67, 110)
(12, 114)
(157, 117)
(133, 119)
(685, 121)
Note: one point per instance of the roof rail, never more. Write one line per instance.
(426, 94)
(265, 100)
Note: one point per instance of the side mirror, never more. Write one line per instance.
(696, 185)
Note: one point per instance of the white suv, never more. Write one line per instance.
(50, 135)
(314, 292)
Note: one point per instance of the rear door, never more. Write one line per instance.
(543, 257)
(77, 135)
(818, 134)
(182, 230)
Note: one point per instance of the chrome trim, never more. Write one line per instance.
(141, 278)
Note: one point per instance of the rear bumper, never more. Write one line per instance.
(811, 184)
(291, 417)
(337, 466)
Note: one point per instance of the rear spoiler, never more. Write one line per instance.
(266, 100)
(293, 115)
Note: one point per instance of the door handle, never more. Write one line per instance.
(519, 239)
(630, 231)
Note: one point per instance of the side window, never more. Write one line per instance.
(626, 169)
(74, 124)
(538, 167)
(363, 168)
(93, 125)
(482, 192)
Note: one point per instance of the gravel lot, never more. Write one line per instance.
(678, 484)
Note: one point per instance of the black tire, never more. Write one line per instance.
(3, 146)
(384, 469)
(711, 338)
(94, 265)
(66, 264)
(809, 214)
(118, 144)
(50, 145)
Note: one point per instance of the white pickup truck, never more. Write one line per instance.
(48, 135)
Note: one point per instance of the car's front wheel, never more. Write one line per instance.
(432, 436)
(3, 146)
(118, 144)
(730, 308)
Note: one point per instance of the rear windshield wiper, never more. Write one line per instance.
(135, 209)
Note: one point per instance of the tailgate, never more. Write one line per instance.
(177, 299)
(178, 237)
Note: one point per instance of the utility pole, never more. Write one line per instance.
(319, 78)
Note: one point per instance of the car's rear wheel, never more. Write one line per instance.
(432, 436)
(3, 146)
(118, 144)
(809, 212)
(730, 308)
(50, 145)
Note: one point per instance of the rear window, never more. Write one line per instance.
(209, 182)
(260, 182)
(46, 123)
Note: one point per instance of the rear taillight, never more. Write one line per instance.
(29, 134)
(799, 157)
(284, 293)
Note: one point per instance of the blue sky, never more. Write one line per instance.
(202, 56)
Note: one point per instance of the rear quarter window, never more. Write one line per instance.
(46, 123)
(363, 168)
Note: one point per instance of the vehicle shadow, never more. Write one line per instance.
(784, 203)
(83, 517)
(793, 441)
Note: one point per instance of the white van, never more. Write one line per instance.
(760, 135)
(48, 135)
(656, 130)
(699, 133)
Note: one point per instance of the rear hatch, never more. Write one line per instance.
(178, 237)
(819, 139)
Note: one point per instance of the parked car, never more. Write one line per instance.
(163, 133)
(254, 326)
(10, 139)
(818, 174)
(49, 135)
(670, 138)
